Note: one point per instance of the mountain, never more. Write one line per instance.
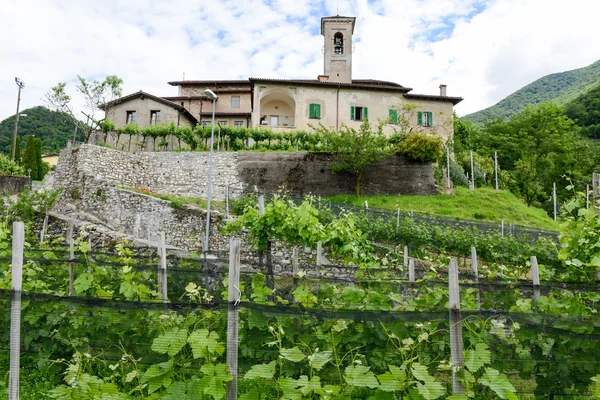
(53, 127)
(560, 88)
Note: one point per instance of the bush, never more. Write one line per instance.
(422, 147)
(9, 167)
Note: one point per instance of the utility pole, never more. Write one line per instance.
(21, 85)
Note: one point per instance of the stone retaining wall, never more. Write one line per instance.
(14, 184)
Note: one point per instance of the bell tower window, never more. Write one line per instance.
(338, 43)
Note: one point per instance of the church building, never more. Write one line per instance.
(333, 99)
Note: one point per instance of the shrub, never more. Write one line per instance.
(422, 147)
(9, 167)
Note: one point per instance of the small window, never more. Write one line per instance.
(359, 113)
(425, 118)
(314, 110)
(222, 123)
(393, 116)
(338, 43)
(235, 101)
(154, 114)
(131, 117)
(205, 123)
(238, 124)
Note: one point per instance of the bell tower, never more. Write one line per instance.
(337, 51)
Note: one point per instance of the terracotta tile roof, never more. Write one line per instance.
(210, 82)
(356, 83)
(454, 100)
(161, 100)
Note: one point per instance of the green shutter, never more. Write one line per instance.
(318, 110)
(430, 119)
(365, 113)
(352, 113)
(311, 111)
(420, 118)
(393, 115)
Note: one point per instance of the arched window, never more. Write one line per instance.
(338, 43)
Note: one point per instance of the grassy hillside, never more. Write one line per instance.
(560, 88)
(481, 204)
(54, 128)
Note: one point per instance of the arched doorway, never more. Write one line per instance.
(277, 108)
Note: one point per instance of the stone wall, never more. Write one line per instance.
(14, 184)
(186, 173)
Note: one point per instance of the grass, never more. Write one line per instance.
(484, 204)
(179, 201)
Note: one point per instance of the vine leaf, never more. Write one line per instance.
(393, 380)
(318, 359)
(202, 342)
(83, 283)
(214, 378)
(428, 387)
(158, 375)
(458, 397)
(595, 387)
(476, 359)
(360, 376)
(294, 354)
(499, 383)
(261, 371)
(291, 388)
(171, 342)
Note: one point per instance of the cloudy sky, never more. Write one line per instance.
(482, 49)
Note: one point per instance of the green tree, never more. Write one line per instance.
(30, 163)
(537, 147)
(17, 151)
(95, 94)
(38, 160)
(355, 150)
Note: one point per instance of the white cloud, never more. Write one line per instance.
(483, 50)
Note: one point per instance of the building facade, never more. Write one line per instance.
(333, 99)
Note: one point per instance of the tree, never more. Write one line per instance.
(95, 95)
(538, 147)
(29, 158)
(17, 151)
(355, 150)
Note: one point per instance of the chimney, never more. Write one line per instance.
(442, 90)
(323, 78)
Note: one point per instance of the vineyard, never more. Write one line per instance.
(118, 322)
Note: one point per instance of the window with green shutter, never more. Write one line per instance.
(352, 113)
(317, 111)
(311, 110)
(420, 118)
(393, 116)
(365, 112)
(430, 118)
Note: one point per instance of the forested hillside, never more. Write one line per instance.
(54, 128)
(585, 110)
(560, 88)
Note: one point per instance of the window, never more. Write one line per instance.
(359, 113)
(393, 116)
(314, 110)
(425, 118)
(338, 43)
(238, 124)
(222, 123)
(235, 101)
(205, 123)
(154, 114)
(131, 117)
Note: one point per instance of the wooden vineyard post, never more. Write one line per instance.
(295, 269)
(18, 241)
(456, 342)
(71, 258)
(535, 274)
(411, 271)
(136, 227)
(261, 204)
(267, 253)
(595, 186)
(475, 269)
(44, 227)
(163, 269)
(233, 298)
(227, 198)
(405, 256)
(319, 258)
